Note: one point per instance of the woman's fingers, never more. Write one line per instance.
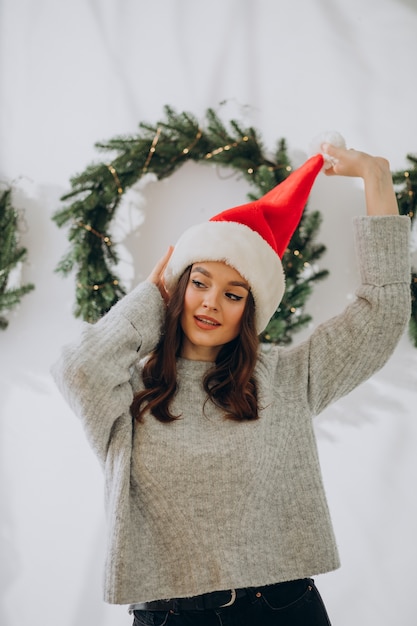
(157, 275)
(347, 162)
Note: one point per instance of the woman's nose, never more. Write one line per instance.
(210, 301)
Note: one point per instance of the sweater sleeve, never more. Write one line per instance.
(94, 373)
(349, 348)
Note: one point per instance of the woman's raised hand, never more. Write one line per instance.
(157, 275)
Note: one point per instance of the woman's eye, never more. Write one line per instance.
(233, 296)
(197, 283)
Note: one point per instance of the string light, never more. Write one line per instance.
(90, 229)
(116, 178)
(97, 287)
(225, 148)
(191, 146)
(272, 168)
(152, 149)
(188, 149)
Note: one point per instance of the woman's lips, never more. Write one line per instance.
(208, 323)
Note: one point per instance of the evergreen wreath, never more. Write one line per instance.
(10, 256)
(161, 149)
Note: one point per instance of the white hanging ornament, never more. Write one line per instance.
(330, 136)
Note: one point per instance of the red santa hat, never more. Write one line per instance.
(252, 238)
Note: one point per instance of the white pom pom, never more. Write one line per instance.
(329, 136)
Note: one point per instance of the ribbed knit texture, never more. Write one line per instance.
(204, 503)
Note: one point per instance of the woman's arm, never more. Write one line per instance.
(94, 373)
(347, 349)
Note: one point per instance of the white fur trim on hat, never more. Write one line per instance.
(240, 247)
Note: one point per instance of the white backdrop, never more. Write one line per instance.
(73, 73)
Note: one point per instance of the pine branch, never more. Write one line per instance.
(11, 254)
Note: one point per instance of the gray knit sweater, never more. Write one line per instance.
(205, 503)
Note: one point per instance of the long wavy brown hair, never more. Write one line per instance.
(230, 383)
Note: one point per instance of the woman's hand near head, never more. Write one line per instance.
(375, 171)
(157, 274)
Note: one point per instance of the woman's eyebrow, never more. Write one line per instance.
(233, 283)
(238, 283)
(201, 270)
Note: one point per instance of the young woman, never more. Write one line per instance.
(215, 502)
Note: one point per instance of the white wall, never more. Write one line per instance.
(73, 73)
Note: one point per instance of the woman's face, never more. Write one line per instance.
(214, 302)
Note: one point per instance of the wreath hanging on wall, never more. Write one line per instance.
(161, 149)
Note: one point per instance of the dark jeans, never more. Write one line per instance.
(296, 603)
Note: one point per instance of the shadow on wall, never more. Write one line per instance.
(411, 4)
